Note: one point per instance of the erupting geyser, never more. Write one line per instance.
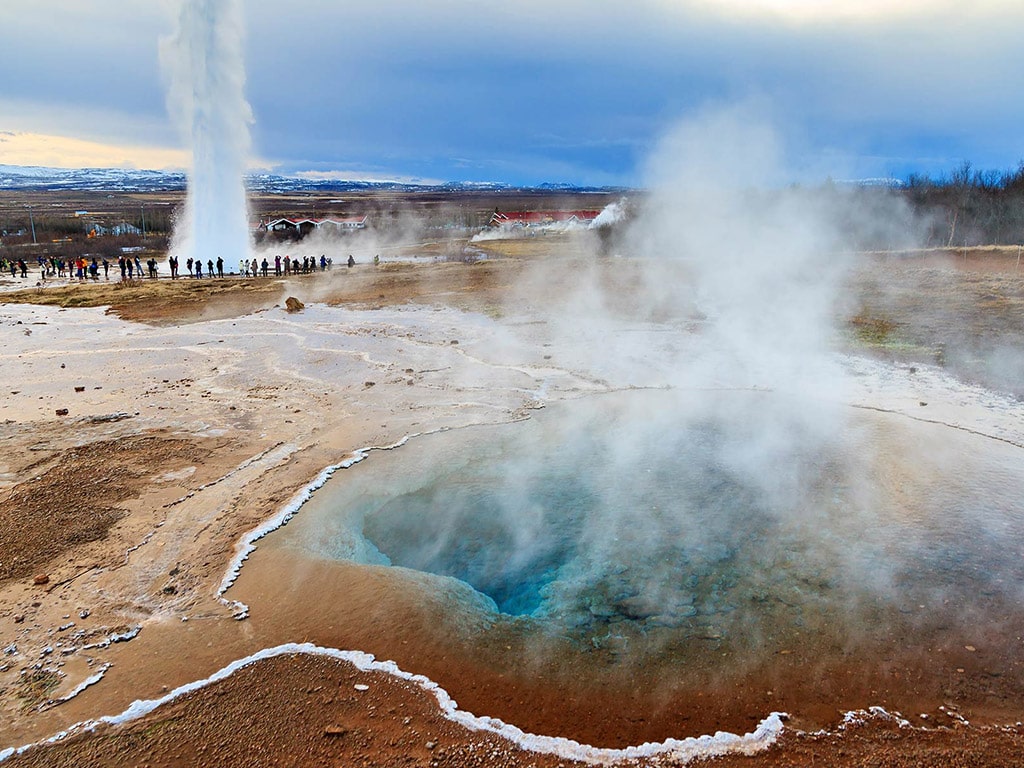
(206, 95)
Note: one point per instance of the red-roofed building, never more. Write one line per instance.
(305, 226)
(345, 223)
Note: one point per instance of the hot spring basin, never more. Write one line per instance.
(635, 508)
(659, 535)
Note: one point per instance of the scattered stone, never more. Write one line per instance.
(361, 687)
(369, 384)
(292, 304)
(62, 365)
(970, 648)
(19, 618)
(79, 389)
(431, 744)
(335, 730)
(40, 578)
(84, 613)
(62, 411)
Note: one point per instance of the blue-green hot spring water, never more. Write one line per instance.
(649, 531)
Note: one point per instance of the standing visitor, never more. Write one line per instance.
(220, 267)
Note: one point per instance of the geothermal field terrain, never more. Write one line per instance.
(569, 503)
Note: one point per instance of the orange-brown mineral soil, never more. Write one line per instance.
(197, 411)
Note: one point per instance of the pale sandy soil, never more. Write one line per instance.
(197, 411)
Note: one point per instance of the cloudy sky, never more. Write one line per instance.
(528, 92)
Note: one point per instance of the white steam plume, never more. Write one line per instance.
(204, 64)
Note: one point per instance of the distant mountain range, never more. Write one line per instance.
(33, 178)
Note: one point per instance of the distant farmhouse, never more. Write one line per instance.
(540, 218)
(305, 226)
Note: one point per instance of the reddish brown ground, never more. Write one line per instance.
(305, 711)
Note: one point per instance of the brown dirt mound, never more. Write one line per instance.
(307, 711)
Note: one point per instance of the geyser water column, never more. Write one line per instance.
(205, 67)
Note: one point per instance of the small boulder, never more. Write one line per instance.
(41, 578)
(293, 305)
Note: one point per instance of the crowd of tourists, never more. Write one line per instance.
(284, 266)
(131, 268)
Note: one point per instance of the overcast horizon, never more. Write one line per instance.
(565, 92)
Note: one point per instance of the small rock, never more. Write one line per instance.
(40, 578)
(292, 304)
(62, 411)
(19, 618)
(361, 687)
(431, 744)
(335, 730)
(79, 389)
